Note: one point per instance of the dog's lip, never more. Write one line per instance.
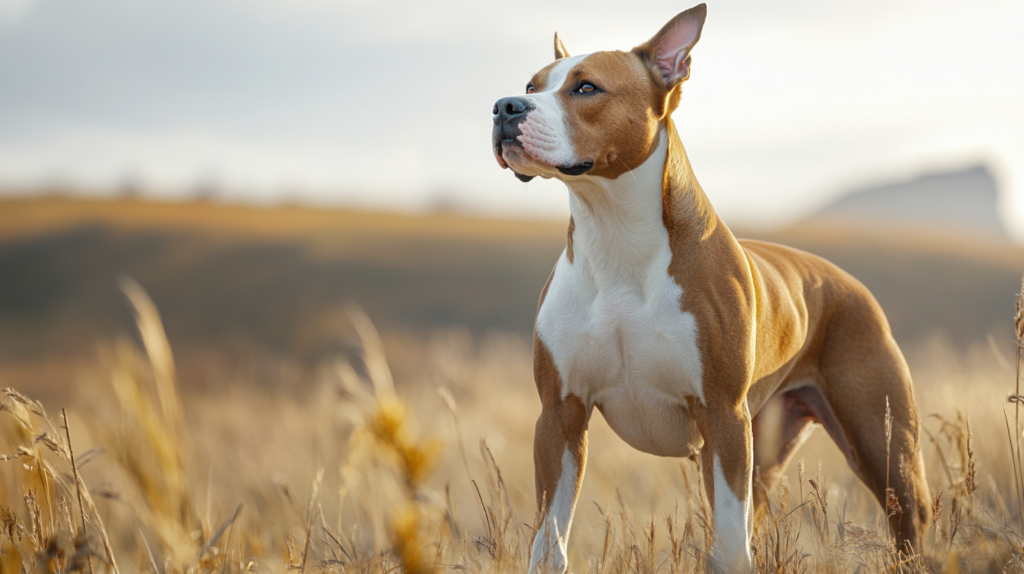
(498, 150)
(576, 169)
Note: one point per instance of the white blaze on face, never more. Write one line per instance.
(545, 135)
(732, 517)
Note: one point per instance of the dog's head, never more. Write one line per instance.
(597, 114)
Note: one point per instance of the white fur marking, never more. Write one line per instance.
(549, 545)
(558, 74)
(544, 132)
(732, 517)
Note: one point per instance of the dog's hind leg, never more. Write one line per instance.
(779, 428)
(864, 375)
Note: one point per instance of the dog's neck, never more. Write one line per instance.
(621, 227)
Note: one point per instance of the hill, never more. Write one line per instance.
(961, 201)
(249, 285)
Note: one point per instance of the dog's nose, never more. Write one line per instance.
(509, 108)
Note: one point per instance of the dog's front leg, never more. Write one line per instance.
(560, 455)
(727, 462)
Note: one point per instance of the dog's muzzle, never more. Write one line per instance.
(508, 114)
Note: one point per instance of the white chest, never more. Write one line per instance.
(622, 341)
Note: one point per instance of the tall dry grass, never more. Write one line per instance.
(360, 471)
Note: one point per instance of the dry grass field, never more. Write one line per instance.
(411, 451)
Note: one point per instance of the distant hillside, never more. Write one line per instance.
(250, 283)
(961, 201)
(245, 282)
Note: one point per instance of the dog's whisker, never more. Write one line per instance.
(627, 169)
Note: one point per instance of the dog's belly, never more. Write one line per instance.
(650, 422)
(630, 352)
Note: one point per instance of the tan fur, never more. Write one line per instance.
(775, 306)
(540, 79)
(613, 130)
(560, 51)
(568, 240)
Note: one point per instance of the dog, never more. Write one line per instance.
(690, 342)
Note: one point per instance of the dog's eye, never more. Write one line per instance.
(530, 89)
(586, 88)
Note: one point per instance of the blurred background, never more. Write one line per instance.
(259, 165)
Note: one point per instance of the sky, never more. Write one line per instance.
(386, 105)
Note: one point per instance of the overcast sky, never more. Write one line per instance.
(387, 105)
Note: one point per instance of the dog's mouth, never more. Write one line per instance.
(578, 169)
(499, 150)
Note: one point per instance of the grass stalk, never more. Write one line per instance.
(1018, 471)
(78, 488)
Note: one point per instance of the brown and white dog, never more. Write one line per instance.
(687, 340)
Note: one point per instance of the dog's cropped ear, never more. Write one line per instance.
(560, 51)
(668, 52)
